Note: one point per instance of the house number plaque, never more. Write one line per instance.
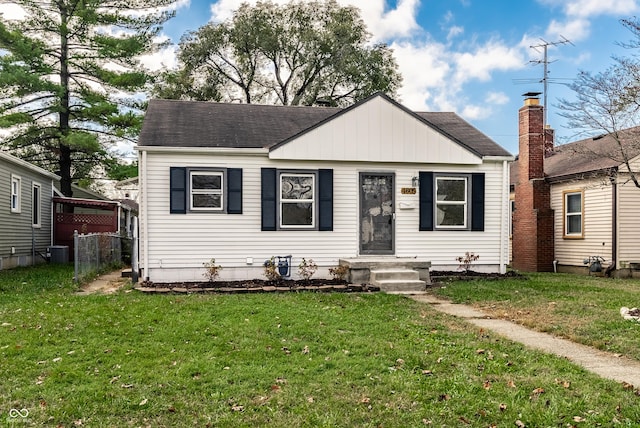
(408, 190)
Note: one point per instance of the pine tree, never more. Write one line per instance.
(68, 78)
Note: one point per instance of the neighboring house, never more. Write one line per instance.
(26, 230)
(573, 201)
(243, 182)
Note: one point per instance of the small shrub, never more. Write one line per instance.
(271, 270)
(339, 273)
(307, 268)
(466, 260)
(212, 270)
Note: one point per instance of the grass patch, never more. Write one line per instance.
(580, 308)
(283, 360)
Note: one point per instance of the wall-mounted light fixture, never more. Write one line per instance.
(415, 181)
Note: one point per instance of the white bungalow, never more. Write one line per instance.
(375, 182)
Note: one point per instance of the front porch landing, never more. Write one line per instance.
(360, 268)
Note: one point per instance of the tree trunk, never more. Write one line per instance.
(63, 124)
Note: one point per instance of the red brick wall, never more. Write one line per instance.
(533, 246)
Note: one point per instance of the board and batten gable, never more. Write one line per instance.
(17, 231)
(376, 131)
(175, 245)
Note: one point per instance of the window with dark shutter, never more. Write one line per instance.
(426, 201)
(268, 197)
(477, 202)
(234, 191)
(325, 200)
(177, 190)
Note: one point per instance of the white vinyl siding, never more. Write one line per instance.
(178, 245)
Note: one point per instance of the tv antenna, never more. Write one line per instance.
(545, 62)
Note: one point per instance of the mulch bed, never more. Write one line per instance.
(314, 285)
(257, 286)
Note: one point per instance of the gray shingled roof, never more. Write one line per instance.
(588, 156)
(174, 123)
(591, 154)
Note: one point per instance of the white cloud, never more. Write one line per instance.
(12, 11)
(499, 98)
(590, 8)
(383, 24)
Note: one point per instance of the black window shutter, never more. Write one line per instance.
(325, 200)
(177, 190)
(426, 200)
(268, 196)
(477, 202)
(234, 191)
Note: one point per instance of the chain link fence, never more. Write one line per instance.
(95, 251)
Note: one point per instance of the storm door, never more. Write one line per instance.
(376, 213)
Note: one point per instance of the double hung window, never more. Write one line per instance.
(16, 189)
(297, 200)
(573, 215)
(451, 202)
(206, 190)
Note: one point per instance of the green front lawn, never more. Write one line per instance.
(580, 308)
(283, 360)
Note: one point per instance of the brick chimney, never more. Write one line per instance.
(533, 246)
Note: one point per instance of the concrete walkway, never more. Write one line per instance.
(607, 365)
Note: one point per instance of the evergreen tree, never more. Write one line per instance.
(68, 79)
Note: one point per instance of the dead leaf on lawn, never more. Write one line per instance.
(564, 383)
(281, 381)
(365, 400)
(126, 385)
(310, 400)
(486, 385)
(444, 397)
(305, 351)
(275, 388)
(286, 350)
(502, 407)
(511, 384)
(520, 424)
(480, 351)
(578, 419)
(427, 372)
(627, 385)
(143, 402)
(237, 408)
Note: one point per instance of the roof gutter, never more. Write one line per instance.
(499, 158)
(224, 151)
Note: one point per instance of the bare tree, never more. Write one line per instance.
(607, 106)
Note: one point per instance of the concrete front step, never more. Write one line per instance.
(401, 285)
(397, 280)
(394, 274)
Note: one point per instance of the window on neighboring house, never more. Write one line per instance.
(36, 205)
(16, 201)
(573, 214)
(297, 200)
(512, 206)
(206, 188)
(451, 202)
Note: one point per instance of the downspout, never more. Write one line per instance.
(504, 213)
(614, 220)
(145, 211)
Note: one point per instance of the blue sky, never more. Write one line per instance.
(474, 57)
